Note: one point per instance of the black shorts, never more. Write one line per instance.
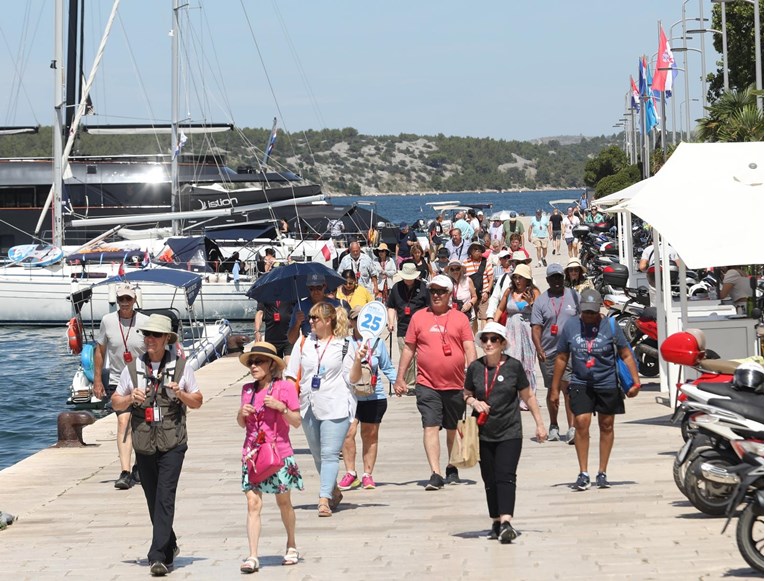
(439, 407)
(587, 400)
(371, 411)
(283, 349)
(108, 393)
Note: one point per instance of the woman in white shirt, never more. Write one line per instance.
(327, 403)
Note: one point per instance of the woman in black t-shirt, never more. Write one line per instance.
(493, 384)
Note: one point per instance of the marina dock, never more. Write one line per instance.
(74, 524)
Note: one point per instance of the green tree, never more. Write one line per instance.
(608, 162)
(739, 18)
(733, 117)
(624, 178)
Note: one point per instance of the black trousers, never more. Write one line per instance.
(160, 473)
(499, 462)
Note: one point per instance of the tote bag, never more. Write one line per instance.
(465, 452)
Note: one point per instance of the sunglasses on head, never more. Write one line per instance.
(438, 291)
(257, 361)
(492, 338)
(155, 334)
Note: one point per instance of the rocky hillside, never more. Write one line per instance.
(344, 161)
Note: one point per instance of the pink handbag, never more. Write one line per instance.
(262, 458)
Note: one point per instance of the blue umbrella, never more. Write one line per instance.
(288, 283)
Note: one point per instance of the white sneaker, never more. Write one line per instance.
(570, 436)
(553, 434)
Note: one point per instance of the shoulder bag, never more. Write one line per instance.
(623, 375)
(262, 458)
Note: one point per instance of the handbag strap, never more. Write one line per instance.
(616, 353)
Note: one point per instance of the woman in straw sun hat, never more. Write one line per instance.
(576, 278)
(269, 407)
(517, 302)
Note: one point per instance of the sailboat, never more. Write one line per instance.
(37, 295)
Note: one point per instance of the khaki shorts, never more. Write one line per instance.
(480, 309)
(539, 242)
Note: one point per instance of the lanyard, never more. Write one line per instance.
(489, 387)
(560, 305)
(318, 363)
(443, 333)
(126, 337)
(589, 343)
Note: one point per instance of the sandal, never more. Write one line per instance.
(292, 557)
(250, 565)
(337, 497)
(324, 509)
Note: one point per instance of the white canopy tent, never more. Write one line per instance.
(708, 202)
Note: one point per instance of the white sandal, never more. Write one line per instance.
(291, 557)
(250, 565)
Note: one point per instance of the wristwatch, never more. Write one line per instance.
(285, 410)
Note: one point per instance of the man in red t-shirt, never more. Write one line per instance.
(443, 341)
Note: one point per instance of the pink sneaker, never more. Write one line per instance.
(367, 482)
(349, 481)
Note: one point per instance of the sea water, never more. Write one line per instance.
(413, 207)
(36, 370)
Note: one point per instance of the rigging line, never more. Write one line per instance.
(141, 84)
(299, 65)
(306, 85)
(263, 65)
(23, 231)
(18, 65)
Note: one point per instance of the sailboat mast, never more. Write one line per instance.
(58, 124)
(174, 116)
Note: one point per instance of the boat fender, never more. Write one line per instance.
(74, 335)
(112, 294)
(87, 360)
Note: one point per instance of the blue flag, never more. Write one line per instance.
(651, 119)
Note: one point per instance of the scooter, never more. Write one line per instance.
(725, 422)
(646, 343)
(748, 481)
(626, 307)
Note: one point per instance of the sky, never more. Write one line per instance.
(505, 69)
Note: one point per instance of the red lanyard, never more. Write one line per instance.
(490, 386)
(318, 363)
(589, 343)
(126, 337)
(559, 307)
(443, 333)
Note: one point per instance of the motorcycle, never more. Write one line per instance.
(626, 307)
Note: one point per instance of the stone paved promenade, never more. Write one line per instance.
(74, 524)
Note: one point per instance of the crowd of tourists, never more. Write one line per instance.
(311, 368)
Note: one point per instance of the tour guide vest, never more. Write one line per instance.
(152, 437)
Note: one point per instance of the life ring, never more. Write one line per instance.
(74, 335)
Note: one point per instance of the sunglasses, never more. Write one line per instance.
(438, 291)
(314, 318)
(255, 361)
(155, 334)
(455, 269)
(491, 338)
(124, 299)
